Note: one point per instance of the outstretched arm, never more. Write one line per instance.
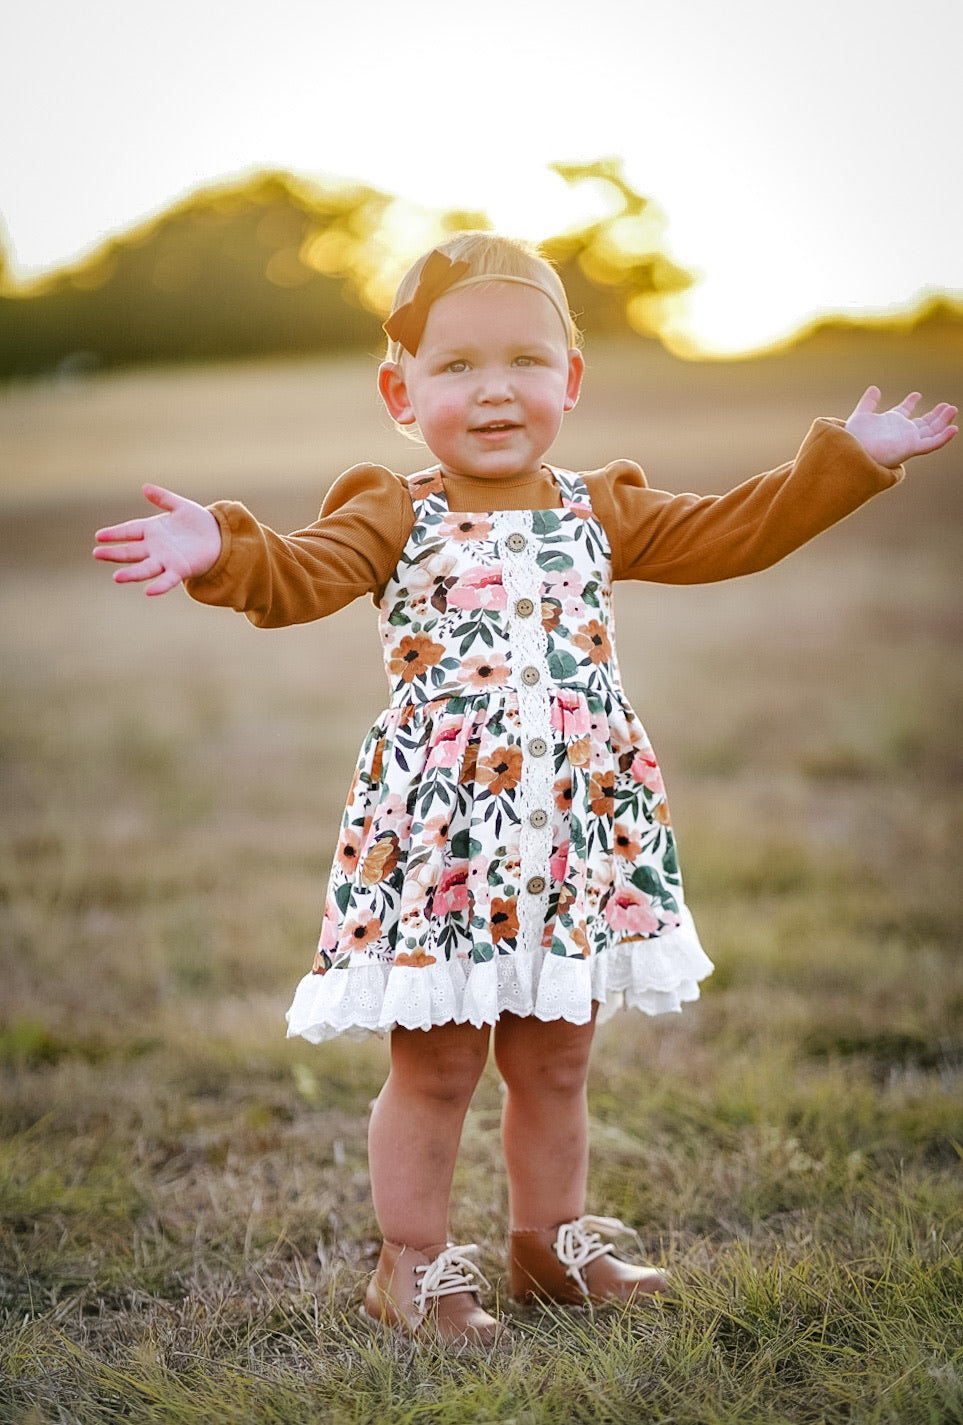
(890, 437)
(166, 549)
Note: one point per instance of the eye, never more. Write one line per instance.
(457, 366)
(525, 361)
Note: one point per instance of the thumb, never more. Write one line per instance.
(867, 402)
(164, 499)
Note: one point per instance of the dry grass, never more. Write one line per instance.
(185, 1216)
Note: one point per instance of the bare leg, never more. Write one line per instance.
(416, 1127)
(545, 1120)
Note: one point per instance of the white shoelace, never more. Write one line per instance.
(579, 1243)
(449, 1273)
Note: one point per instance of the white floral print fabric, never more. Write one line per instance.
(506, 843)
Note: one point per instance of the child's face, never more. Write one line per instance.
(490, 383)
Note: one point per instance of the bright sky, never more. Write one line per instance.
(807, 155)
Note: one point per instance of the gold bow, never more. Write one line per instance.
(407, 324)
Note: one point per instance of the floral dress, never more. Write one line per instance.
(506, 843)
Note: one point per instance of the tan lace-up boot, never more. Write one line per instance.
(432, 1292)
(571, 1264)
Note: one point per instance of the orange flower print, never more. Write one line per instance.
(380, 861)
(602, 793)
(563, 794)
(504, 920)
(500, 770)
(349, 849)
(361, 932)
(417, 959)
(551, 614)
(625, 843)
(581, 940)
(484, 670)
(469, 763)
(462, 527)
(430, 483)
(436, 830)
(593, 637)
(415, 654)
(661, 813)
(580, 752)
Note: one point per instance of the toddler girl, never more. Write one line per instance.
(506, 864)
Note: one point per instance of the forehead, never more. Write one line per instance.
(499, 311)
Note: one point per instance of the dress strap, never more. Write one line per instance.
(573, 489)
(427, 492)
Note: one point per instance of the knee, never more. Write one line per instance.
(561, 1071)
(444, 1071)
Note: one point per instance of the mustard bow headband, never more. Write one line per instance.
(438, 276)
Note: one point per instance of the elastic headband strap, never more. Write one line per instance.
(438, 276)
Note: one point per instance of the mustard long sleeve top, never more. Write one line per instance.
(354, 545)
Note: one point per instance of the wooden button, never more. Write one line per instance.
(538, 747)
(524, 608)
(516, 543)
(539, 818)
(536, 885)
(530, 676)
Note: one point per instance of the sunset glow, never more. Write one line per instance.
(804, 164)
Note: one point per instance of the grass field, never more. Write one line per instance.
(185, 1215)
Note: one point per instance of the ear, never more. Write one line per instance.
(576, 370)
(394, 393)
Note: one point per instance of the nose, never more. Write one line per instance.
(495, 386)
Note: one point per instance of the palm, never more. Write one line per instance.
(892, 436)
(165, 549)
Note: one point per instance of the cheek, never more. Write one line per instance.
(443, 414)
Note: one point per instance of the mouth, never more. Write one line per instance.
(495, 428)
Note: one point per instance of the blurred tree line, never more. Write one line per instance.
(278, 265)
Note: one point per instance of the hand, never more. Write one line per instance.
(166, 548)
(890, 437)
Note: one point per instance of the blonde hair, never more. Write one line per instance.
(488, 254)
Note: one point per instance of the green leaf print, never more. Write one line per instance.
(482, 953)
(590, 593)
(562, 665)
(545, 522)
(555, 559)
(398, 616)
(343, 895)
(460, 845)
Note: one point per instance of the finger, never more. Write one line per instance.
(137, 573)
(121, 553)
(133, 529)
(908, 404)
(167, 581)
(868, 401)
(164, 499)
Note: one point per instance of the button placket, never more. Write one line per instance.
(528, 656)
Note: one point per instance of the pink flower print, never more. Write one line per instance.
(452, 893)
(484, 670)
(645, 769)
(448, 744)
(570, 716)
(436, 830)
(479, 588)
(477, 872)
(578, 507)
(630, 910)
(361, 932)
(559, 862)
(563, 583)
(462, 527)
(392, 815)
(329, 928)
